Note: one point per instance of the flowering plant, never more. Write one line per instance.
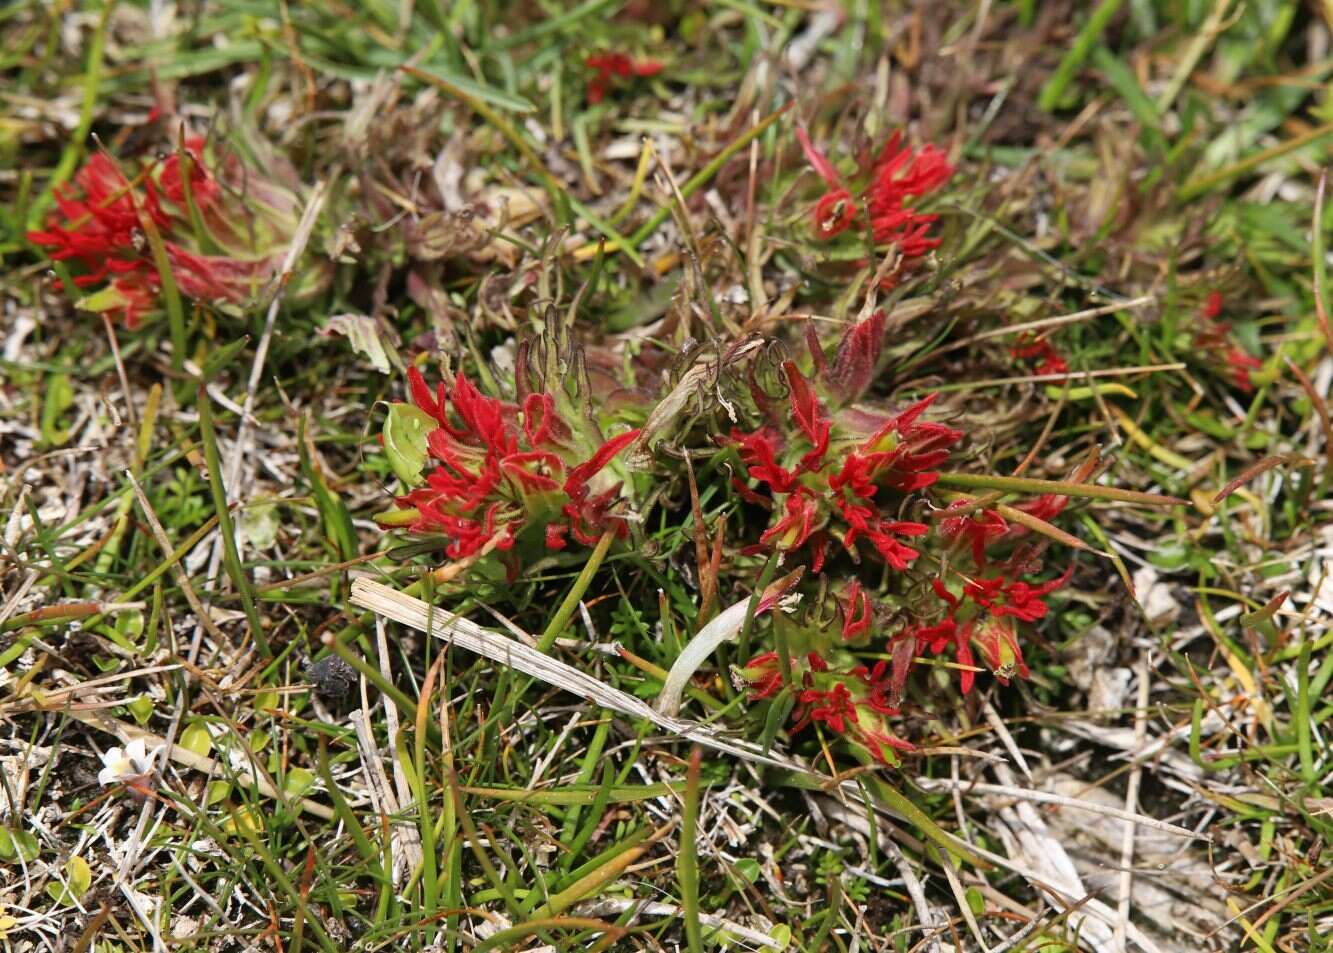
(502, 471)
(1213, 337)
(607, 67)
(223, 230)
(866, 480)
(898, 179)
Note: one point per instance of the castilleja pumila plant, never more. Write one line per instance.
(853, 491)
(610, 67)
(897, 180)
(487, 475)
(224, 230)
(1213, 338)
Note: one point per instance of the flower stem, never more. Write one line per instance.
(687, 866)
(575, 594)
(231, 557)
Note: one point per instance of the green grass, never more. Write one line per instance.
(654, 252)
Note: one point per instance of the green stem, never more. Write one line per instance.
(982, 481)
(575, 594)
(231, 557)
(687, 865)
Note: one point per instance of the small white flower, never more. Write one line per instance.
(130, 764)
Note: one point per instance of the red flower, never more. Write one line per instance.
(899, 175)
(1241, 364)
(764, 676)
(836, 209)
(977, 529)
(492, 474)
(857, 614)
(833, 708)
(902, 454)
(862, 521)
(899, 455)
(998, 642)
(101, 227)
(610, 66)
(1215, 336)
(794, 528)
(1017, 599)
(1043, 352)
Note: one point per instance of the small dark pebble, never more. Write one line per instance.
(331, 676)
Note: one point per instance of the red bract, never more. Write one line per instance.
(977, 529)
(1017, 599)
(495, 477)
(901, 175)
(1215, 336)
(816, 490)
(1043, 352)
(609, 66)
(853, 367)
(1045, 507)
(856, 614)
(758, 451)
(102, 227)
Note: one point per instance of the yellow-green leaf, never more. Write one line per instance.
(78, 878)
(405, 432)
(196, 738)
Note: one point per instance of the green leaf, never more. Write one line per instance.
(260, 524)
(265, 700)
(78, 878)
(219, 358)
(975, 901)
(108, 299)
(141, 708)
(197, 738)
(297, 782)
(57, 398)
(333, 513)
(405, 432)
(17, 846)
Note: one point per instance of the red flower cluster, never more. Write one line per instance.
(102, 229)
(1043, 352)
(498, 475)
(1215, 336)
(854, 705)
(610, 66)
(898, 177)
(818, 494)
(847, 478)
